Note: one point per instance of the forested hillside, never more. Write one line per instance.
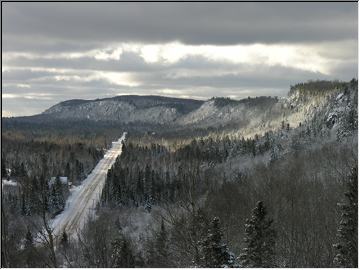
(260, 182)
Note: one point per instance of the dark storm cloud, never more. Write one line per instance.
(64, 26)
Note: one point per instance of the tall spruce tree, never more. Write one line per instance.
(215, 253)
(57, 199)
(161, 246)
(158, 249)
(259, 240)
(199, 224)
(346, 248)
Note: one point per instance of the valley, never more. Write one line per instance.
(179, 134)
(188, 169)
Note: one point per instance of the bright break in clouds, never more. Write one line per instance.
(58, 51)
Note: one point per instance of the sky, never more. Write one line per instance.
(59, 51)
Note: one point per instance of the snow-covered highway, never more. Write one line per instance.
(80, 205)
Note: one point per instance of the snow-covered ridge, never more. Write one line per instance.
(247, 116)
(126, 109)
(262, 114)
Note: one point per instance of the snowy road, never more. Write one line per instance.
(81, 203)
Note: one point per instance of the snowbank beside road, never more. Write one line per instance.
(81, 204)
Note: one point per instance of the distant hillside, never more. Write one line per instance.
(307, 102)
(125, 109)
(326, 103)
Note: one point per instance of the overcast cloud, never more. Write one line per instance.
(58, 51)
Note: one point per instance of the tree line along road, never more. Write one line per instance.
(80, 205)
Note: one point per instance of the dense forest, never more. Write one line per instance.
(190, 198)
(288, 187)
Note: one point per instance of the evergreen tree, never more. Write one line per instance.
(147, 184)
(259, 240)
(3, 167)
(352, 118)
(140, 186)
(128, 259)
(346, 248)
(198, 226)
(161, 246)
(24, 208)
(158, 250)
(68, 171)
(29, 241)
(22, 171)
(122, 253)
(354, 83)
(32, 195)
(57, 200)
(214, 252)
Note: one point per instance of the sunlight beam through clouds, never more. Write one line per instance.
(311, 57)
